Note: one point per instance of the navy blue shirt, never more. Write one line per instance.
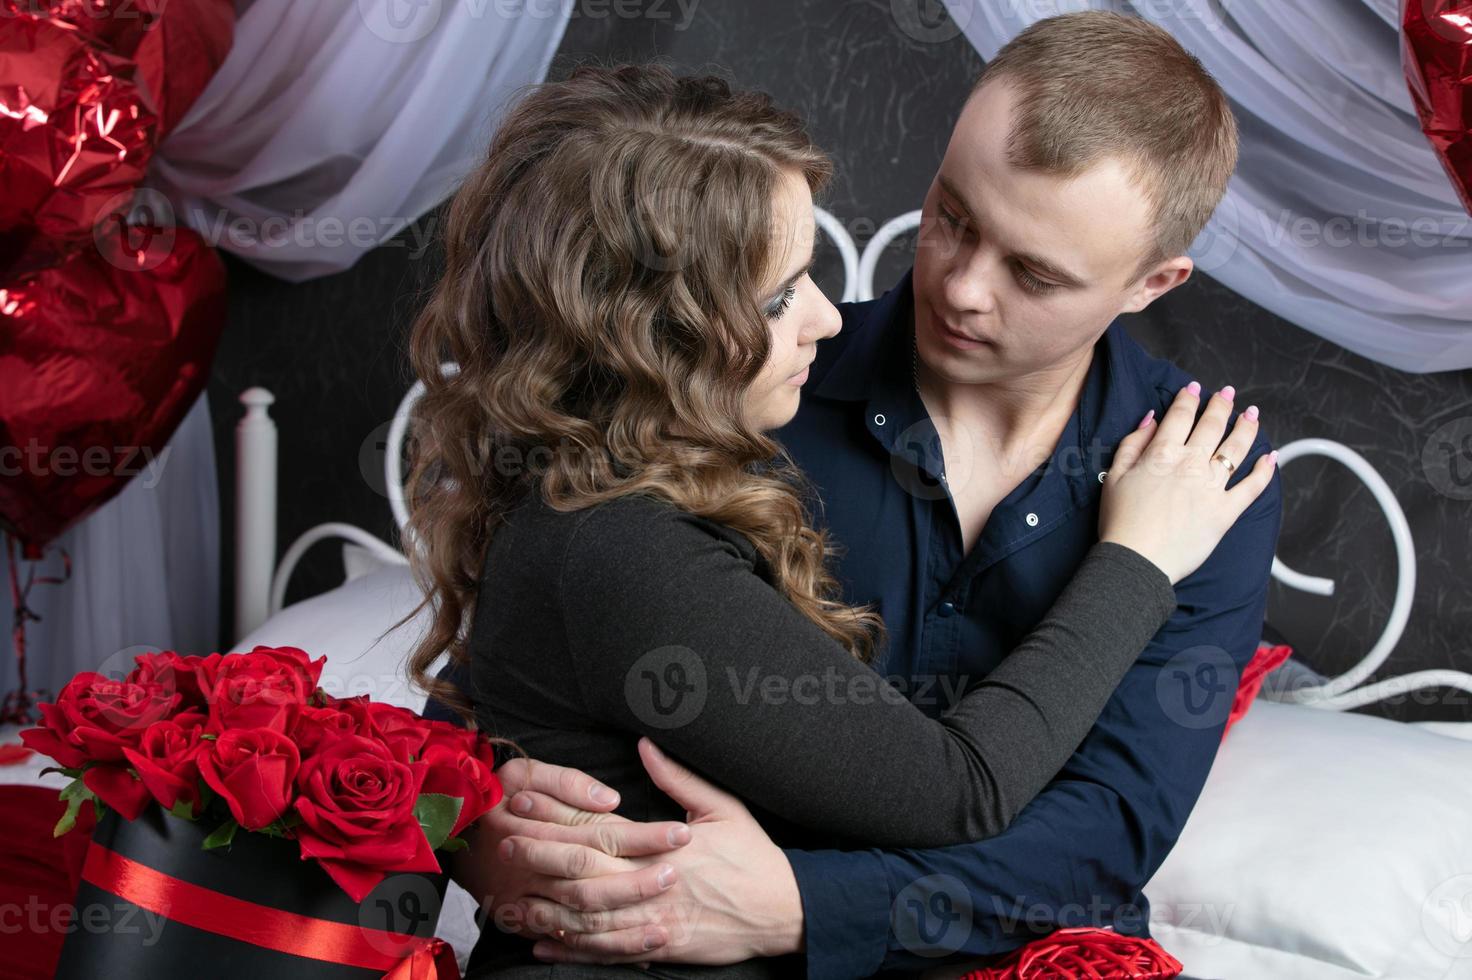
(1080, 852)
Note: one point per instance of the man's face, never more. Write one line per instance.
(1031, 267)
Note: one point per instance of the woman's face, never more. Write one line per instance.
(798, 313)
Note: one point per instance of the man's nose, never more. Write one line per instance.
(968, 287)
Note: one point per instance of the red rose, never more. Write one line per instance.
(470, 775)
(448, 733)
(265, 688)
(399, 728)
(96, 717)
(118, 788)
(356, 801)
(316, 725)
(188, 675)
(166, 762)
(252, 769)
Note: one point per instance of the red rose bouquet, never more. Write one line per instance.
(365, 791)
(249, 742)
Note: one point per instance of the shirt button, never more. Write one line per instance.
(947, 609)
(879, 420)
(1032, 520)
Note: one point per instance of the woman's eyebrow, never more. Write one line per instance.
(807, 267)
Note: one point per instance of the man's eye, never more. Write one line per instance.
(1032, 283)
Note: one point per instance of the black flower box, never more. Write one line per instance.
(153, 903)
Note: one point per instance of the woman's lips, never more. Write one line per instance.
(799, 378)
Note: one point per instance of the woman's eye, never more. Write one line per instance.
(775, 311)
(1032, 283)
(950, 218)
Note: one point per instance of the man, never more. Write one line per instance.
(957, 432)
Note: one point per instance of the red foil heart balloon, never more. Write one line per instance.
(88, 88)
(1437, 57)
(100, 359)
(76, 135)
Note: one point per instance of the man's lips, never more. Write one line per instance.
(956, 338)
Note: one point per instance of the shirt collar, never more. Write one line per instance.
(875, 367)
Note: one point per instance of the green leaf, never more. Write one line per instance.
(65, 771)
(74, 795)
(455, 844)
(222, 835)
(437, 814)
(182, 809)
(76, 790)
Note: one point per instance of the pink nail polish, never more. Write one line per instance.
(1229, 393)
(1274, 457)
(1194, 388)
(1145, 422)
(1251, 412)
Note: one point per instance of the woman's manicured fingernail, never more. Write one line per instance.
(1194, 388)
(679, 835)
(602, 794)
(1228, 393)
(522, 803)
(666, 877)
(1145, 422)
(1274, 457)
(1251, 412)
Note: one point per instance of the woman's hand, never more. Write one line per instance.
(1166, 497)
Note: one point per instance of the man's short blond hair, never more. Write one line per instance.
(1096, 85)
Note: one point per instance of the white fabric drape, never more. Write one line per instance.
(1340, 217)
(145, 570)
(333, 124)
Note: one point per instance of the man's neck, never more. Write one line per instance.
(1018, 417)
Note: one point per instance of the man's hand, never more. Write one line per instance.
(734, 896)
(499, 886)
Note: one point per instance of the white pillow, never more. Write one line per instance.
(345, 624)
(1325, 845)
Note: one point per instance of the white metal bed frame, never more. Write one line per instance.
(260, 582)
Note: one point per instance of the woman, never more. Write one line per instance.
(615, 548)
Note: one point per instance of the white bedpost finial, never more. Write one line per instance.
(255, 510)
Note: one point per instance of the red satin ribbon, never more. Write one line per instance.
(269, 928)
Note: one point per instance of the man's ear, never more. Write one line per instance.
(1159, 281)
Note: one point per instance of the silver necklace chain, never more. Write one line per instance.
(915, 361)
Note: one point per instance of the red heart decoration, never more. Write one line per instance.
(100, 359)
(76, 135)
(1436, 53)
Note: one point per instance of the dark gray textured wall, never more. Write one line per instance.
(881, 100)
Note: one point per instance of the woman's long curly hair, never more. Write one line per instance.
(601, 298)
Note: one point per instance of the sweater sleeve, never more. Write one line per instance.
(675, 636)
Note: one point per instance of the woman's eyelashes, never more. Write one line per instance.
(779, 307)
(1026, 279)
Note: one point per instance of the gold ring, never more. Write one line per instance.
(1222, 457)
